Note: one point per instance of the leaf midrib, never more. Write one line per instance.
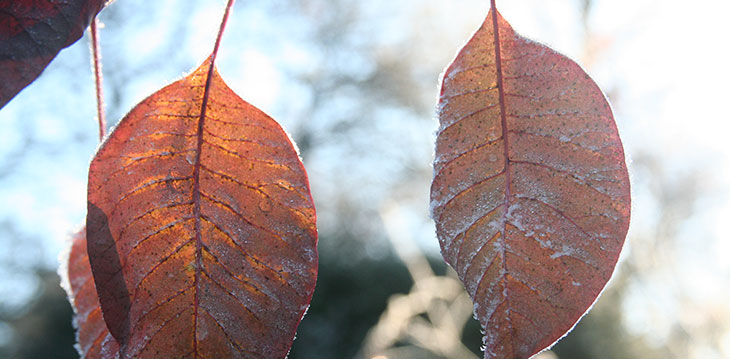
(507, 165)
(196, 203)
(196, 176)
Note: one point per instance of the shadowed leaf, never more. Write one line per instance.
(92, 335)
(201, 227)
(32, 32)
(531, 192)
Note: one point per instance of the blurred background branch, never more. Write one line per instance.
(427, 322)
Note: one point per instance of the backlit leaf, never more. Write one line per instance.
(201, 227)
(92, 336)
(531, 192)
(32, 32)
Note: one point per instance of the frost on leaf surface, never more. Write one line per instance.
(201, 227)
(530, 192)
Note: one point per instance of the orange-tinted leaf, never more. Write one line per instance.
(531, 192)
(32, 32)
(201, 227)
(94, 340)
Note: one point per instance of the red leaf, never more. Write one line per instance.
(201, 227)
(92, 335)
(531, 192)
(32, 32)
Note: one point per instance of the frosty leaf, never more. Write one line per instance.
(531, 192)
(201, 227)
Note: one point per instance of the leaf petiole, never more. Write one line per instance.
(98, 77)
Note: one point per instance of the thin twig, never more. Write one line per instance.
(96, 60)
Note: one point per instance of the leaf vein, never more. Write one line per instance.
(254, 188)
(471, 92)
(462, 70)
(470, 150)
(473, 225)
(236, 154)
(230, 340)
(223, 266)
(565, 173)
(247, 254)
(159, 263)
(146, 186)
(239, 215)
(160, 304)
(158, 330)
(159, 230)
(464, 117)
(149, 212)
(471, 186)
(233, 296)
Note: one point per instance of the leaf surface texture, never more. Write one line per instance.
(530, 193)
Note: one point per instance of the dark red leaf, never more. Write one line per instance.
(94, 340)
(531, 192)
(32, 32)
(201, 227)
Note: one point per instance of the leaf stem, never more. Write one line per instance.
(224, 21)
(98, 77)
(493, 4)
